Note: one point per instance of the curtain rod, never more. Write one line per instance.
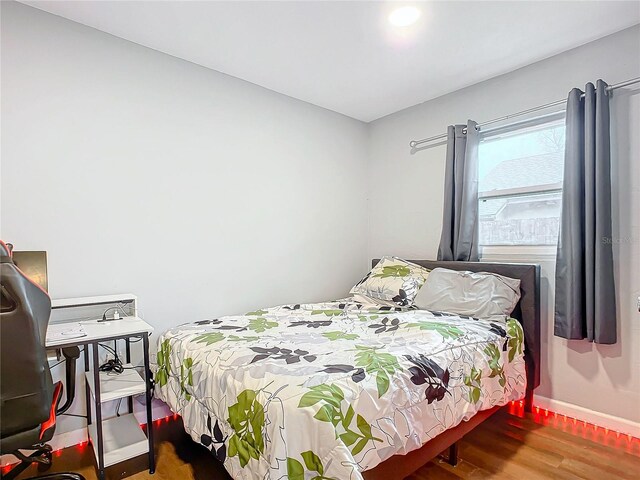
(415, 143)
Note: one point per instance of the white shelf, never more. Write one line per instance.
(122, 439)
(113, 386)
(97, 300)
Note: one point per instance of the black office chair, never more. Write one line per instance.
(28, 398)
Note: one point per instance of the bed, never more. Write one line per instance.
(344, 389)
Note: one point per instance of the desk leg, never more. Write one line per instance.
(147, 377)
(87, 391)
(128, 360)
(96, 387)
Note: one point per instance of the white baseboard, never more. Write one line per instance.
(62, 440)
(616, 424)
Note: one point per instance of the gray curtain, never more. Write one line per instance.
(459, 239)
(585, 291)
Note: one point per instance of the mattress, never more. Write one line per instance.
(329, 390)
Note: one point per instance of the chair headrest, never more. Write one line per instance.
(5, 249)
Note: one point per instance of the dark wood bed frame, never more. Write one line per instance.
(527, 312)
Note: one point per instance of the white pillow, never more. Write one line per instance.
(475, 294)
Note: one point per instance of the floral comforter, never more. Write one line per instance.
(328, 390)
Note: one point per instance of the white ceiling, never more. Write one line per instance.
(345, 56)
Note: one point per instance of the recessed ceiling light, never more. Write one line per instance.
(404, 16)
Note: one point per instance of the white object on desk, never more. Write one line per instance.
(64, 331)
(97, 330)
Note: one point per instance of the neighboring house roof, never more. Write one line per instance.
(523, 172)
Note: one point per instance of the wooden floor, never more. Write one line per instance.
(507, 446)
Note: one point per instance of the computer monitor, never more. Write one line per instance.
(33, 265)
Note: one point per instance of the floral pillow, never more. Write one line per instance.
(393, 281)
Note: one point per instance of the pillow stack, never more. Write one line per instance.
(395, 282)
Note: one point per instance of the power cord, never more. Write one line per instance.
(112, 365)
(116, 313)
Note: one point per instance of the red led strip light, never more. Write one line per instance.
(580, 428)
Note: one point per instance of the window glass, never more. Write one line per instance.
(520, 186)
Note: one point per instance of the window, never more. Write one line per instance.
(520, 185)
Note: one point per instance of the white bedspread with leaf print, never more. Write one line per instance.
(326, 391)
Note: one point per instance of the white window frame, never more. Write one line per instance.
(521, 191)
(517, 253)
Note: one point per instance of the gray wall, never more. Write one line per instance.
(406, 192)
(139, 172)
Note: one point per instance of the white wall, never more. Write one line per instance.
(138, 172)
(406, 192)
